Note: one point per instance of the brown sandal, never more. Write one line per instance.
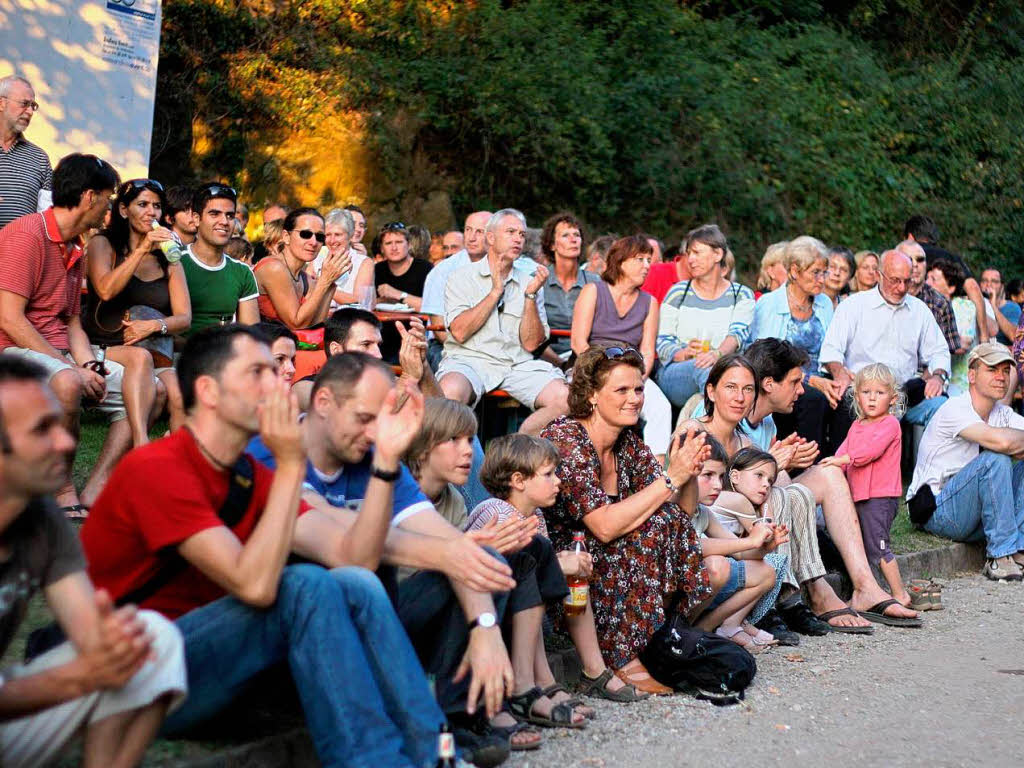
(635, 673)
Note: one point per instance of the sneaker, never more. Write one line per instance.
(773, 624)
(799, 618)
(1002, 569)
(476, 742)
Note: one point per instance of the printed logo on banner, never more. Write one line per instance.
(145, 8)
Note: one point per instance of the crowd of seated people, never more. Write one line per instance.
(685, 446)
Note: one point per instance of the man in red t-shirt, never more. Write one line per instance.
(40, 302)
(161, 527)
(664, 275)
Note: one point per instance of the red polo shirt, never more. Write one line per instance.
(37, 264)
(663, 276)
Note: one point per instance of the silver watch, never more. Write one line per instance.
(163, 328)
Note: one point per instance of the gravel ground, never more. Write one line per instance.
(950, 694)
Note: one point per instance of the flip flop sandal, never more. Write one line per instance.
(845, 630)
(598, 687)
(521, 708)
(577, 703)
(76, 513)
(876, 613)
(741, 638)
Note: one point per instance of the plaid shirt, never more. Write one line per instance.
(943, 311)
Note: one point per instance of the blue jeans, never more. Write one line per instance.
(364, 694)
(984, 501)
(681, 381)
(473, 491)
(922, 412)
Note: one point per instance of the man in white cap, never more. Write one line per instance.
(969, 481)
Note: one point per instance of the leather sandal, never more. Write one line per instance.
(521, 708)
(636, 674)
(577, 703)
(598, 687)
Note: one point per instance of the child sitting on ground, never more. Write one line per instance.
(870, 457)
(745, 585)
(520, 471)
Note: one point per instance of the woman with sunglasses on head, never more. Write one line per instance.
(287, 293)
(614, 311)
(645, 552)
(126, 268)
(398, 276)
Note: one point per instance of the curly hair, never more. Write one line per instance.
(513, 453)
(883, 373)
(591, 372)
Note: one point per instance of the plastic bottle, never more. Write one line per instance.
(445, 748)
(575, 602)
(171, 248)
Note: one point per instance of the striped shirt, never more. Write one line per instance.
(685, 315)
(24, 172)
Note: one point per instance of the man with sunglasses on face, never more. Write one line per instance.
(222, 289)
(41, 268)
(25, 173)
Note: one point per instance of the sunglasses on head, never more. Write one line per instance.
(305, 234)
(394, 226)
(151, 184)
(613, 353)
(219, 190)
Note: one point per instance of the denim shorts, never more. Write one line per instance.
(737, 581)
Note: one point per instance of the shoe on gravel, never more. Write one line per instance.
(799, 618)
(1002, 569)
(773, 624)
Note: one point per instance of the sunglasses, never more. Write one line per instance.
(152, 184)
(305, 234)
(219, 190)
(614, 353)
(394, 226)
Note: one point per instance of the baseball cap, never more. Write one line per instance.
(990, 353)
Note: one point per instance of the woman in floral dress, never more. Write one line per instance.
(645, 551)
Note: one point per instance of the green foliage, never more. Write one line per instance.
(773, 118)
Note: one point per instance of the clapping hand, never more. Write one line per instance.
(687, 456)
(413, 352)
(399, 420)
(539, 278)
(507, 537)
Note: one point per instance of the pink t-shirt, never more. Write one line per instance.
(874, 449)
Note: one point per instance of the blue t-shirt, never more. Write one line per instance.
(1011, 311)
(347, 488)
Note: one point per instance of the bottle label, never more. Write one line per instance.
(577, 596)
(446, 746)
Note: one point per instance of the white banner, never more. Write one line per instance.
(93, 66)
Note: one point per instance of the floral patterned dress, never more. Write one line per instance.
(636, 575)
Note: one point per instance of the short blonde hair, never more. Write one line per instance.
(507, 455)
(273, 234)
(773, 254)
(443, 420)
(804, 251)
(883, 373)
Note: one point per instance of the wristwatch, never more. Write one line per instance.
(163, 328)
(485, 620)
(942, 375)
(531, 296)
(403, 296)
(385, 475)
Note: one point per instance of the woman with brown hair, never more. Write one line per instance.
(645, 552)
(614, 311)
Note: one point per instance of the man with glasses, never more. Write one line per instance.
(221, 289)
(41, 268)
(26, 178)
(452, 242)
(492, 312)
(941, 309)
(885, 325)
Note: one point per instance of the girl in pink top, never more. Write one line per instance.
(870, 456)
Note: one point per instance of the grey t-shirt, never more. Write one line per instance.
(41, 549)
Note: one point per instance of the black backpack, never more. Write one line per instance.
(689, 659)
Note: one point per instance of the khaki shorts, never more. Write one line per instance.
(112, 403)
(524, 381)
(40, 738)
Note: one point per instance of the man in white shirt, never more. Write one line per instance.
(495, 324)
(886, 325)
(969, 461)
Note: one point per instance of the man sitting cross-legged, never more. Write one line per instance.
(217, 529)
(348, 425)
(114, 681)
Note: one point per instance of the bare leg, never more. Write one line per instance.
(733, 611)
(456, 387)
(830, 489)
(175, 404)
(583, 632)
(552, 402)
(891, 571)
(121, 740)
(137, 388)
(67, 386)
(119, 439)
(544, 677)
